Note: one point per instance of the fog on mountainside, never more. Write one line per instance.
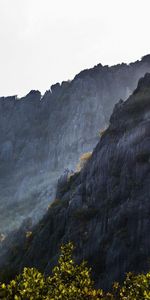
(43, 136)
(104, 209)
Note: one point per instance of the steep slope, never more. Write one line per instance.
(105, 208)
(40, 136)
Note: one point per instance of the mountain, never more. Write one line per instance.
(104, 209)
(41, 136)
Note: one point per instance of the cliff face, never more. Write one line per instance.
(105, 208)
(41, 136)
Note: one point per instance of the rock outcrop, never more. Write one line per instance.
(41, 136)
(105, 208)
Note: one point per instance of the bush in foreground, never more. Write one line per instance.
(70, 281)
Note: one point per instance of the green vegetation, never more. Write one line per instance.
(28, 234)
(55, 203)
(58, 203)
(85, 214)
(70, 281)
(2, 237)
(102, 131)
(83, 160)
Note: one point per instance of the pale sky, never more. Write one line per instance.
(47, 41)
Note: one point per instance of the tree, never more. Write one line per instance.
(31, 284)
(135, 287)
(71, 281)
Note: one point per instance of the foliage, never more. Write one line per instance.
(102, 131)
(134, 287)
(2, 237)
(31, 284)
(83, 160)
(28, 234)
(85, 213)
(58, 202)
(55, 203)
(70, 281)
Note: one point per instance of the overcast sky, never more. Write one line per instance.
(47, 41)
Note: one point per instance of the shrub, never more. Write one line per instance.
(83, 160)
(102, 131)
(70, 281)
(54, 203)
(84, 214)
(135, 287)
(59, 203)
(28, 285)
(2, 237)
(28, 234)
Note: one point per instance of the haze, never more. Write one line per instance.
(47, 41)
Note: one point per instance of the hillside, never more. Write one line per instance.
(43, 135)
(104, 209)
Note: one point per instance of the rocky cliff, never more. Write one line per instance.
(104, 208)
(43, 135)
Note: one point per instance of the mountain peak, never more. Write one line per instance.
(146, 58)
(144, 83)
(33, 93)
